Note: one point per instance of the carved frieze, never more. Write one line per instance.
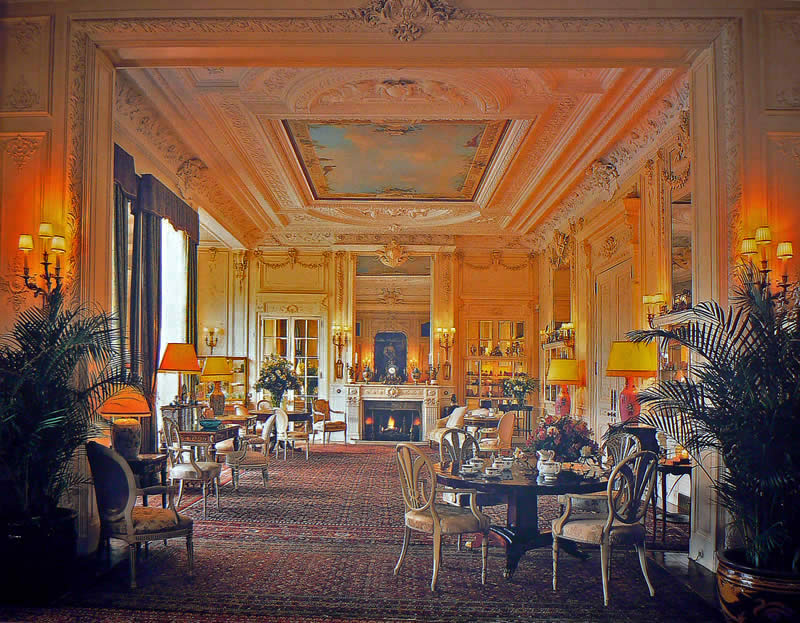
(408, 20)
(22, 148)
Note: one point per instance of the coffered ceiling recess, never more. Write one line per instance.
(310, 156)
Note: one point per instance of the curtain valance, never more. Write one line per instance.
(155, 198)
(125, 172)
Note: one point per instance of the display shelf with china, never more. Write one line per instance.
(561, 348)
(495, 351)
(235, 390)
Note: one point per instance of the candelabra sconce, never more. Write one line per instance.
(340, 341)
(447, 339)
(654, 303)
(51, 283)
(211, 337)
(759, 244)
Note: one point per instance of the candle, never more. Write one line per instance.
(356, 357)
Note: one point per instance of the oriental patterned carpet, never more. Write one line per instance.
(320, 543)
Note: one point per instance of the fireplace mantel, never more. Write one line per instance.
(431, 397)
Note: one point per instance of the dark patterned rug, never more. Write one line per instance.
(320, 543)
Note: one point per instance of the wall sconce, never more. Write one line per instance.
(759, 244)
(654, 302)
(50, 244)
(447, 339)
(211, 337)
(340, 340)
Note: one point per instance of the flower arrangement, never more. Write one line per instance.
(519, 386)
(277, 376)
(569, 437)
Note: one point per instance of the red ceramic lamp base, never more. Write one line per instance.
(629, 406)
(563, 402)
(217, 400)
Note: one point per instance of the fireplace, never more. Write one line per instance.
(392, 420)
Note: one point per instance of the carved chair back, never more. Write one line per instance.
(417, 478)
(630, 487)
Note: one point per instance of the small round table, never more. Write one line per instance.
(521, 490)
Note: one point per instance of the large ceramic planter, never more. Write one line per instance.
(748, 594)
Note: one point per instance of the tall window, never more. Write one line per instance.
(296, 339)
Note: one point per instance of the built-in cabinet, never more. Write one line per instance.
(495, 351)
(235, 390)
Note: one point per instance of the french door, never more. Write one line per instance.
(295, 339)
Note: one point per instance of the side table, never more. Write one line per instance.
(672, 469)
(149, 469)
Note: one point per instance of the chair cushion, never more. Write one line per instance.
(489, 444)
(186, 470)
(224, 446)
(150, 519)
(589, 530)
(297, 434)
(251, 457)
(454, 520)
(455, 419)
(436, 435)
(334, 425)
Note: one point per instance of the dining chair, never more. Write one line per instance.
(614, 451)
(628, 494)
(245, 458)
(182, 468)
(287, 436)
(120, 518)
(424, 514)
(323, 422)
(499, 439)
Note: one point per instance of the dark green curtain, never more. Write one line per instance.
(121, 265)
(146, 308)
(191, 306)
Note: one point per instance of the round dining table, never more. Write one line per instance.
(521, 488)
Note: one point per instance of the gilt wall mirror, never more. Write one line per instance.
(393, 316)
(681, 226)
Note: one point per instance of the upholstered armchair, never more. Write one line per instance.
(628, 494)
(245, 458)
(120, 518)
(454, 420)
(323, 422)
(183, 466)
(424, 514)
(498, 439)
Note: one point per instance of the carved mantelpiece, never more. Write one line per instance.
(431, 397)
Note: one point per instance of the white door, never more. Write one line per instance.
(612, 320)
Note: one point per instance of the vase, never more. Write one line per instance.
(276, 398)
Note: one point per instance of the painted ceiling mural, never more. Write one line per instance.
(417, 160)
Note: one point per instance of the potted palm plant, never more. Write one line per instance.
(57, 366)
(743, 401)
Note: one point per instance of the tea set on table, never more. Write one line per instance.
(495, 467)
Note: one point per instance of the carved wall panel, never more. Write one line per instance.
(24, 161)
(780, 51)
(25, 83)
(783, 198)
(275, 273)
(213, 271)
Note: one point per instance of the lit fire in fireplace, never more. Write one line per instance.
(390, 425)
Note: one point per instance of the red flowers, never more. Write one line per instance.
(567, 436)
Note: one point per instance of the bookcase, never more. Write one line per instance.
(495, 351)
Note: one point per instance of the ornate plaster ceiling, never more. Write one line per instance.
(561, 137)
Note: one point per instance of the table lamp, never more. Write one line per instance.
(629, 360)
(125, 409)
(563, 372)
(216, 369)
(180, 358)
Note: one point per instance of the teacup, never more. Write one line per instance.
(493, 471)
(468, 470)
(477, 463)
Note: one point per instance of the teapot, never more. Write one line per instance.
(544, 456)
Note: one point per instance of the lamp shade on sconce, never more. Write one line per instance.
(563, 372)
(25, 242)
(58, 245)
(763, 235)
(749, 247)
(629, 360)
(45, 230)
(216, 369)
(124, 409)
(784, 251)
(179, 357)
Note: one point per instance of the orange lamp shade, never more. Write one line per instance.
(632, 359)
(216, 369)
(127, 403)
(563, 372)
(179, 357)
